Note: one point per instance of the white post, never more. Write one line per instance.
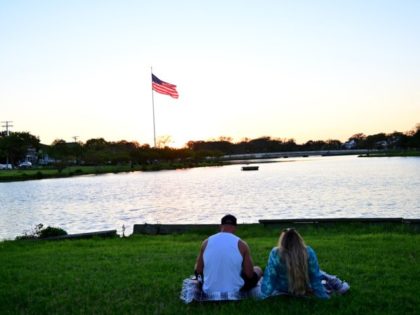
(153, 108)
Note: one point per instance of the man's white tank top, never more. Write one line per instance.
(222, 264)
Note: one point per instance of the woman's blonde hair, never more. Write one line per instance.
(292, 251)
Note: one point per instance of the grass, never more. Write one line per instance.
(143, 274)
(393, 153)
(47, 172)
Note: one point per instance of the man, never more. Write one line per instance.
(225, 261)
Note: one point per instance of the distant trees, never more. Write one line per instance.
(414, 137)
(321, 145)
(14, 147)
(98, 151)
(395, 140)
(377, 141)
(60, 149)
(258, 145)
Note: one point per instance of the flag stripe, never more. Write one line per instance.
(168, 90)
(164, 87)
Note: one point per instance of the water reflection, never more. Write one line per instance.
(293, 188)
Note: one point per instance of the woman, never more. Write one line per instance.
(293, 269)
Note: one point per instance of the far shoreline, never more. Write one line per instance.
(82, 170)
(36, 173)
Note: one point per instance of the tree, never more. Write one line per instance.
(413, 140)
(333, 144)
(163, 141)
(358, 136)
(377, 141)
(59, 149)
(97, 151)
(14, 147)
(314, 145)
(397, 140)
(96, 144)
(259, 145)
(225, 139)
(359, 139)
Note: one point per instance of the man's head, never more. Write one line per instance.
(228, 223)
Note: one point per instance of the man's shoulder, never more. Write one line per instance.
(241, 242)
(215, 235)
(204, 244)
(223, 235)
(211, 237)
(243, 247)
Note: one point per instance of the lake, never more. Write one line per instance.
(313, 187)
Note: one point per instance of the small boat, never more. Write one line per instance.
(250, 168)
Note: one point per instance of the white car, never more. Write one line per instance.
(25, 164)
(6, 166)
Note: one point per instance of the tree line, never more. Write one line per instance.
(393, 141)
(19, 146)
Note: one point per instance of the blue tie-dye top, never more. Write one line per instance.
(275, 275)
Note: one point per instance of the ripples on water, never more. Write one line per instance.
(316, 187)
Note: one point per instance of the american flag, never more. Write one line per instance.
(164, 87)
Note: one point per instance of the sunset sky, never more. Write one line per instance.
(287, 69)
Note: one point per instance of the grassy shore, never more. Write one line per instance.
(43, 173)
(143, 274)
(51, 172)
(392, 153)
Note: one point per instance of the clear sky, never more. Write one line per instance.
(302, 69)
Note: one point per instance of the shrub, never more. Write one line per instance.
(41, 232)
(51, 231)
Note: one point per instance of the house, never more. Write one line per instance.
(351, 144)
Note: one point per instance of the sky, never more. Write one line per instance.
(301, 69)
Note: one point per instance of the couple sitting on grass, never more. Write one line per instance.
(224, 269)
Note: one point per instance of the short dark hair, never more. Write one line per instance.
(229, 219)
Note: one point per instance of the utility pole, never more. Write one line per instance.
(7, 124)
(78, 153)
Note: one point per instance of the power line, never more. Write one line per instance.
(7, 124)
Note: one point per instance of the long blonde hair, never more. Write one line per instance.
(292, 251)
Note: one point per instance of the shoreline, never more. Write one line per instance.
(82, 170)
(16, 175)
(172, 229)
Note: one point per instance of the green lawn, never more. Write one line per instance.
(43, 173)
(40, 173)
(143, 274)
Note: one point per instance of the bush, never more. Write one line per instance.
(51, 231)
(40, 232)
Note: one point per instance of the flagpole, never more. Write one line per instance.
(153, 108)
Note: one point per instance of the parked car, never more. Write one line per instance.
(25, 164)
(6, 166)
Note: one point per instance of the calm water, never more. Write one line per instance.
(316, 187)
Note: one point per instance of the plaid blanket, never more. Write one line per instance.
(191, 291)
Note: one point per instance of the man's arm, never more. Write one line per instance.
(247, 264)
(199, 264)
